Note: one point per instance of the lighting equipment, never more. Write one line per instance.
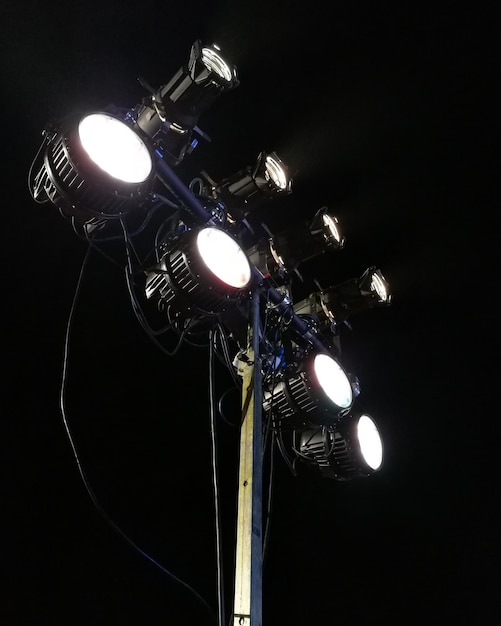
(215, 270)
(304, 241)
(203, 272)
(94, 167)
(317, 392)
(268, 178)
(171, 113)
(337, 304)
(351, 448)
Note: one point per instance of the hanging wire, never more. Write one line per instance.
(215, 481)
(76, 455)
(136, 307)
(281, 446)
(227, 360)
(220, 408)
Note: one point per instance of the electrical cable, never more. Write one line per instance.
(153, 209)
(220, 408)
(76, 455)
(227, 357)
(281, 446)
(144, 324)
(215, 482)
(138, 311)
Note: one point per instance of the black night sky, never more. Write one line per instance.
(388, 117)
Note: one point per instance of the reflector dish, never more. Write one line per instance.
(224, 257)
(115, 147)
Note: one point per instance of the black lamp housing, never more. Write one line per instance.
(170, 114)
(67, 176)
(299, 399)
(184, 282)
(243, 191)
(304, 241)
(351, 448)
(335, 305)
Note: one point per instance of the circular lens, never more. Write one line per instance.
(115, 147)
(224, 257)
(215, 63)
(331, 227)
(276, 173)
(379, 287)
(333, 380)
(370, 442)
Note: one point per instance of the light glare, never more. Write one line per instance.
(330, 224)
(224, 257)
(276, 173)
(378, 286)
(215, 63)
(333, 380)
(370, 442)
(115, 148)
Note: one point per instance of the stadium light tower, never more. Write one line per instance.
(111, 174)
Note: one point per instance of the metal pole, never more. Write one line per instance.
(249, 544)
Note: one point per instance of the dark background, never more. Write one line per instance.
(389, 117)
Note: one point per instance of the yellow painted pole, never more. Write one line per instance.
(248, 556)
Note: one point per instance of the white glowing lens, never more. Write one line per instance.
(115, 148)
(224, 257)
(378, 286)
(333, 380)
(330, 224)
(370, 442)
(215, 63)
(276, 173)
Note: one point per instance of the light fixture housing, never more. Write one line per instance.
(352, 448)
(204, 272)
(172, 112)
(304, 241)
(336, 304)
(268, 178)
(94, 167)
(317, 393)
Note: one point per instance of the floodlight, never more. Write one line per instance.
(304, 241)
(352, 448)
(204, 272)
(268, 178)
(95, 166)
(171, 113)
(318, 392)
(337, 304)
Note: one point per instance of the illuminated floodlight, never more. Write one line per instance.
(301, 242)
(352, 448)
(331, 225)
(369, 439)
(377, 286)
(319, 392)
(268, 178)
(337, 304)
(333, 380)
(115, 147)
(205, 272)
(171, 113)
(224, 257)
(275, 173)
(93, 167)
(213, 61)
